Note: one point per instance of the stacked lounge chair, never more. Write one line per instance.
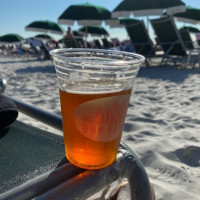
(169, 38)
(186, 37)
(140, 38)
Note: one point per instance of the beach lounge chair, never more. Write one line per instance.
(70, 43)
(33, 164)
(140, 38)
(97, 44)
(80, 42)
(115, 42)
(106, 44)
(169, 38)
(186, 37)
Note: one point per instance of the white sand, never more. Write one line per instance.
(162, 125)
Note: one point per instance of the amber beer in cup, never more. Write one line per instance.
(95, 89)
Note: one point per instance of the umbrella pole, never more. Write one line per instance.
(86, 33)
(147, 24)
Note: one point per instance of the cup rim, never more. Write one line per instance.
(140, 58)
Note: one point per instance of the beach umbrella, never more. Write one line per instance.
(77, 35)
(44, 36)
(147, 7)
(191, 29)
(45, 26)
(94, 31)
(11, 38)
(191, 16)
(85, 14)
(125, 21)
(113, 23)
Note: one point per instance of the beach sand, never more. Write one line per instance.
(162, 124)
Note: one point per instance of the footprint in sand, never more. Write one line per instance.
(195, 99)
(189, 155)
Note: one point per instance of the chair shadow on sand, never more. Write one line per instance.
(43, 69)
(167, 73)
(19, 61)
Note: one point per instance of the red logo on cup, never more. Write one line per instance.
(102, 119)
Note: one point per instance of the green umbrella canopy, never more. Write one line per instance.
(11, 38)
(94, 31)
(191, 29)
(44, 36)
(147, 7)
(192, 15)
(85, 14)
(77, 34)
(128, 21)
(45, 26)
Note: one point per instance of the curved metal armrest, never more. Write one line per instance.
(75, 183)
(84, 185)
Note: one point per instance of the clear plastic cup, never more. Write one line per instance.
(95, 89)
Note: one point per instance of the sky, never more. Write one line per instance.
(16, 14)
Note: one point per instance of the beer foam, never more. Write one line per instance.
(94, 88)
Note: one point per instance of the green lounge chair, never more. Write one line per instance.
(169, 38)
(106, 44)
(97, 44)
(186, 37)
(33, 164)
(140, 38)
(70, 43)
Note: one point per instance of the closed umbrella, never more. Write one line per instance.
(94, 31)
(191, 16)
(11, 38)
(45, 26)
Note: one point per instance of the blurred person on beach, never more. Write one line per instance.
(19, 49)
(2, 49)
(69, 33)
(36, 45)
(69, 39)
(39, 46)
(53, 44)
